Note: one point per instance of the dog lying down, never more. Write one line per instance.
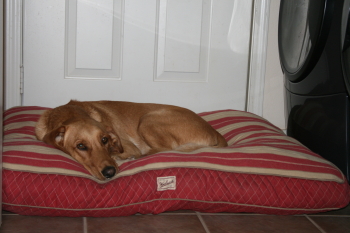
(99, 133)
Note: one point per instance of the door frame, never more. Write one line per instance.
(1, 91)
(256, 75)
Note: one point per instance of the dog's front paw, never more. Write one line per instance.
(122, 160)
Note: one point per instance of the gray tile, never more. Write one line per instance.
(341, 212)
(146, 223)
(333, 224)
(258, 224)
(179, 212)
(34, 224)
(4, 212)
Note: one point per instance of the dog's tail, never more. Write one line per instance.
(221, 142)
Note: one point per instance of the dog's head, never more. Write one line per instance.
(90, 143)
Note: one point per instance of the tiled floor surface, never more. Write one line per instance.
(182, 222)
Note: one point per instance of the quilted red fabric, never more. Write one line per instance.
(262, 171)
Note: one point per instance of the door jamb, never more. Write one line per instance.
(258, 52)
(13, 53)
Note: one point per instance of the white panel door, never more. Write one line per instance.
(191, 53)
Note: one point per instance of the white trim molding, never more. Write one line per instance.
(13, 53)
(256, 78)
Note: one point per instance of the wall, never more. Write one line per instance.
(273, 109)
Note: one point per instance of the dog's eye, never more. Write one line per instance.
(104, 140)
(81, 146)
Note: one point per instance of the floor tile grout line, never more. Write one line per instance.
(329, 215)
(233, 214)
(202, 222)
(178, 214)
(85, 225)
(315, 224)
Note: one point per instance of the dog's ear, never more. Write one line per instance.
(41, 125)
(116, 145)
(55, 137)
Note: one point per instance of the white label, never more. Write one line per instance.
(166, 183)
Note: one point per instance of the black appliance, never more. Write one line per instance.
(314, 49)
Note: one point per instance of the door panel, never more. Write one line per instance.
(93, 39)
(191, 53)
(182, 43)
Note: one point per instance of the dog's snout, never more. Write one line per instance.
(109, 171)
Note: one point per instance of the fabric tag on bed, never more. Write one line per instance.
(166, 183)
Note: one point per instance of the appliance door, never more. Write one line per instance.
(322, 123)
(303, 29)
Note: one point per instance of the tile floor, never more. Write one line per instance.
(182, 222)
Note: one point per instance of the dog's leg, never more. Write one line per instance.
(189, 147)
(177, 130)
(130, 151)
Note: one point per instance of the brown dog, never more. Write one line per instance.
(97, 133)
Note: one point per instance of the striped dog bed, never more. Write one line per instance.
(262, 171)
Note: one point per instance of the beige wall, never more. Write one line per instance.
(273, 109)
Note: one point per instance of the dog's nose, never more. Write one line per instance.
(109, 171)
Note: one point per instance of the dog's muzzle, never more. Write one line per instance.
(109, 172)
